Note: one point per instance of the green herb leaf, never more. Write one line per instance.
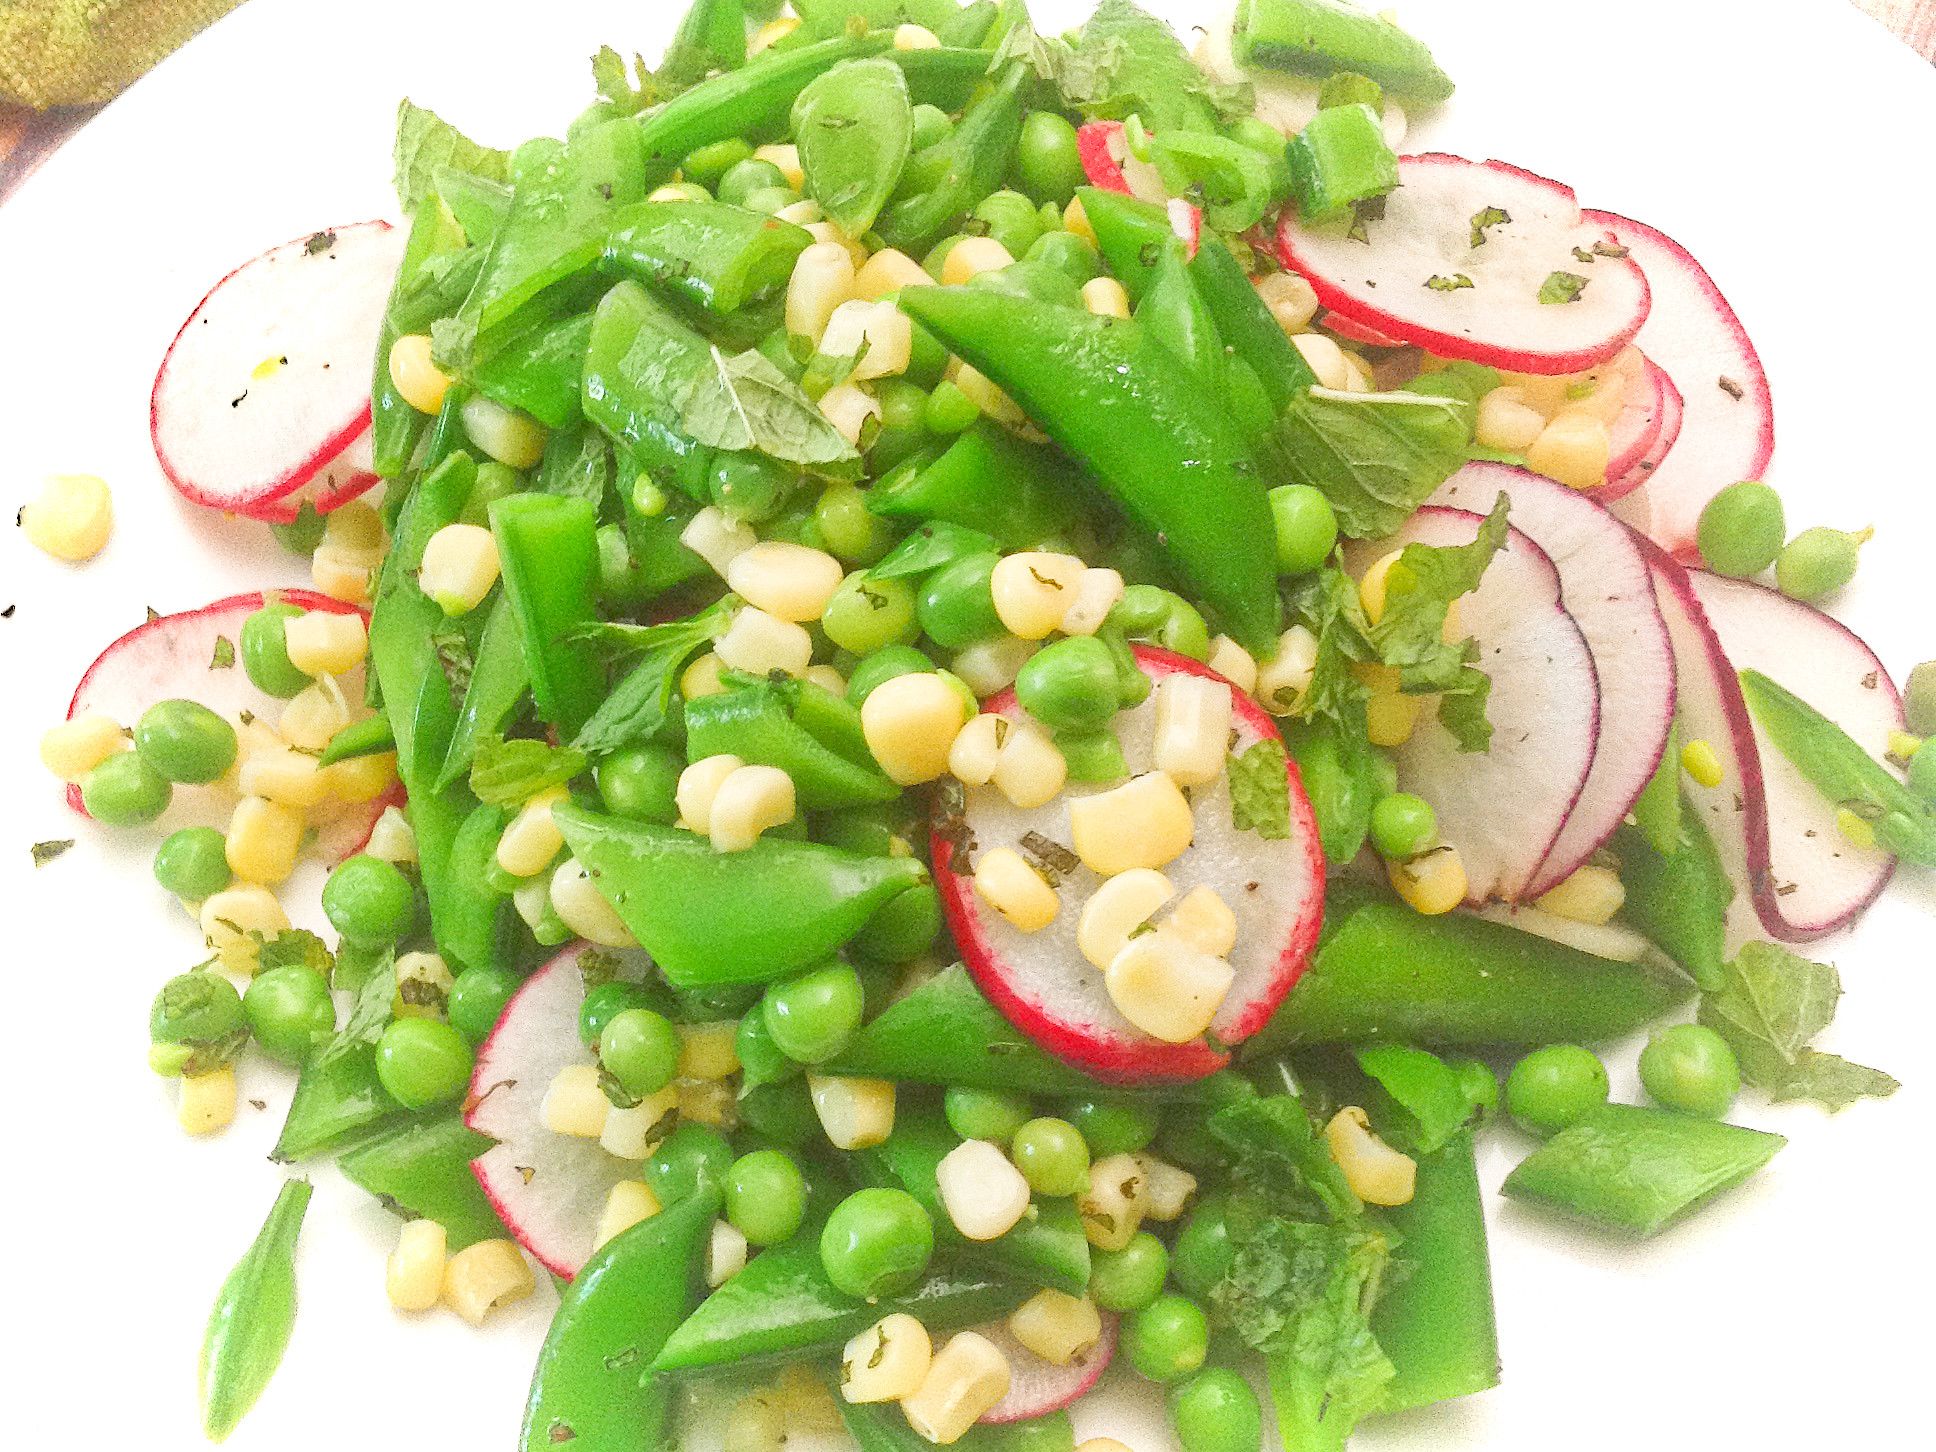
(509, 773)
(932, 545)
(295, 947)
(616, 87)
(425, 141)
(46, 852)
(1431, 1106)
(1275, 1152)
(223, 657)
(1770, 1008)
(745, 402)
(1562, 287)
(1375, 456)
(1454, 283)
(1487, 217)
(639, 707)
(1260, 799)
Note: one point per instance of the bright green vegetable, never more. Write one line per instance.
(1051, 1154)
(640, 1049)
(1216, 1411)
(125, 791)
(184, 741)
(290, 1011)
(941, 182)
(1741, 529)
(1403, 826)
(988, 479)
(202, 1014)
(1203, 1254)
(423, 1061)
(640, 782)
(192, 863)
(606, 1002)
(1553, 1087)
(265, 651)
(549, 556)
(1167, 1339)
(766, 1197)
(248, 1329)
(1318, 37)
(801, 728)
(1307, 528)
(1690, 1068)
(985, 1114)
(369, 901)
(1339, 161)
(422, 1169)
(854, 126)
(715, 256)
(369, 737)
(1113, 1126)
(877, 1243)
(1375, 456)
(1678, 899)
(1162, 617)
(338, 1093)
(1070, 685)
(1046, 157)
(811, 1018)
(692, 1159)
(1129, 1279)
(957, 607)
(904, 928)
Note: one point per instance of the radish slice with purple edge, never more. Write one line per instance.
(195, 655)
(1812, 878)
(268, 380)
(548, 1188)
(1534, 295)
(1103, 149)
(1607, 588)
(1042, 982)
(1037, 1387)
(1356, 332)
(1504, 808)
(350, 475)
(1634, 429)
(1728, 430)
(1625, 475)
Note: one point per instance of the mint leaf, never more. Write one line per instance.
(1770, 1007)
(1489, 217)
(1439, 283)
(223, 656)
(506, 773)
(745, 402)
(934, 544)
(1127, 61)
(1375, 456)
(1260, 799)
(425, 141)
(1432, 1104)
(46, 852)
(1562, 287)
(639, 707)
(297, 948)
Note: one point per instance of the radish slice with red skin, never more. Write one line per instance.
(1810, 880)
(1037, 1387)
(549, 1189)
(1426, 232)
(267, 381)
(1504, 808)
(1728, 428)
(1606, 587)
(350, 475)
(1643, 409)
(1044, 985)
(1186, 221)
(1103, 149)
(1356, 332)
(1635, 475)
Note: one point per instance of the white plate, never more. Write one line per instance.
(1787, 145)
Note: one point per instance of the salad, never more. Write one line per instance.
(975, 699)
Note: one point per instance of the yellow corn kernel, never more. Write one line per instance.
(698, 785)
(1192, 728)
(915, 37)
(1005, 881)
(1113, 1206)
(717, 538)
(910, 723)
(1033, 590)
(509, 435)
(703, 677)
(804, 1400)
(482, 1277)
(1056, 1326)
(1145, 822)
(1376, 1173)
(964, 1381)
(972, 757)
(982, 1191)
(1075, 219)
(708, 1050)
(771, 33)
(850, 410)
(1118, 909)
(989, 666)
(626, 1204)
(755, 1424)
(878, 332)
(1325, 358)
(1166, 987)
(1292, 301)
(887, 1361)
(1358, 377)
(787, 158)
(1391, 716)
(1102, 1444)
(1372, 588)
(460, 565)
(1857, 830)
(532, 900)
(981, 391)
(205, 1104)
(392, 838)
(1098, 591)
(855, 1113)
(1204, 921)
(1105, 297)
(804, 213)
(1700, 761)
(1543, 392)
(707, 1101)
(725, 1253)
(413, 1277)
(361, 778)
(345, 575)
(757, 643)
(70, 518)
(888, 271)
(1030, 768)
(1235, 664)
(532, 839)
(1432, 884)
(419, 380)
(74, 748)
(1506, 421)
(585, 910)
(1286, 676)
(1168, 1188)
(283, 775)
(314, 715)
(264, 839)
(1574, 449)
(827, 678)
(1593, 894)
(575, 1104)
(327, 642)
(971, 257)
(236, 921)
(823, 279)
(829, 233)
(423, 985)
(632, 1134)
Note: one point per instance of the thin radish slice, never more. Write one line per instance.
(1667, 429)
(350, 475)
(1504, 808)
(548, 1188)
(1103, 149)
(1355, 332)
(1409, 279)
(1607, 588)
(1041, 981)
(1037, 1387)
(1613, 941)
(1642, 407)
(268, 381)
(1812, 879)
(1186, 221)
(1728, 430)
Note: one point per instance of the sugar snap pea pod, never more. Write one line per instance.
(638, 355)
(500, 676)
(539, 369)
(395, 427)
(711, 37)
(829, 17)
(1436, 1321)
(479, 203)
(947, 76)
(1173, 314)
(1637, 1170)
(969, 26)
(1383, 972)
(471, 922)
(1236, 184)
(248, 1330)
(987, 479)
(367, 737)
(588, 1390)
(1155, 79)
(422, 1170)
(1156, 441)
(1246, 325)
(883, 1427)
(1132, 235)
(1319, 37)
(717, 257)
(338, 1097)
(942, 182)
(758, 724)
(783, 1307)
(710, 918)
(548, 550)
(854, 126)
(1678, 899)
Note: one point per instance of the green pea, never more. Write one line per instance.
(949, 410)
(768, 200)
(1919, 699)
(604, 1003)
(423, 1061)
(1052, 1156)
(199, 1008)
(740, 180)
(265, 651)
(369, 901)
(1010, 219)
(682, 191)
(1131, 1278)
(1092, 756)
(1203, 1254)
(877, 1243)
(193, 863)
(1403, 826)
(709, 164)
(760, 1059)
(1167, 1339)
(812, 1017)
(931, 125)
(750, 487)
(874, 829)
(984, 1113)
(853, 533)
(766, 1196)
(691, 1156)
(1113, 1126)
(1216, 1411)
(1818, 562)
(640, 1049)
(170, 1061)
(1691, 1068)
(290, 1011)
(1070, 685)
(957, 605)
(866, 614)
(1741, 529)
(125, 791)
(1307, 528)
(1479, 1085)
(884, 665)
(1162, 617)
(1074, 257)
(494, 481)
(1047, 156)
(1551, 1087)
(1922, 773)
(641, 783)
(477, 999)
(184, 741)
(902, 929)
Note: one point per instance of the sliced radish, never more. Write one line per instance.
(1625, 475)
(1405, 281)
(1812, 879)
(174, 656)
(548, 1188)
(1049, 990)
(1634, 430)
(1615, 942)
(268, 381)
(1103, 149)
(1504, 808)
(1355, 332)
(350, 475)
(1728, 429)
(1186, 221)
(1607, 588)
(1037, 1387)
